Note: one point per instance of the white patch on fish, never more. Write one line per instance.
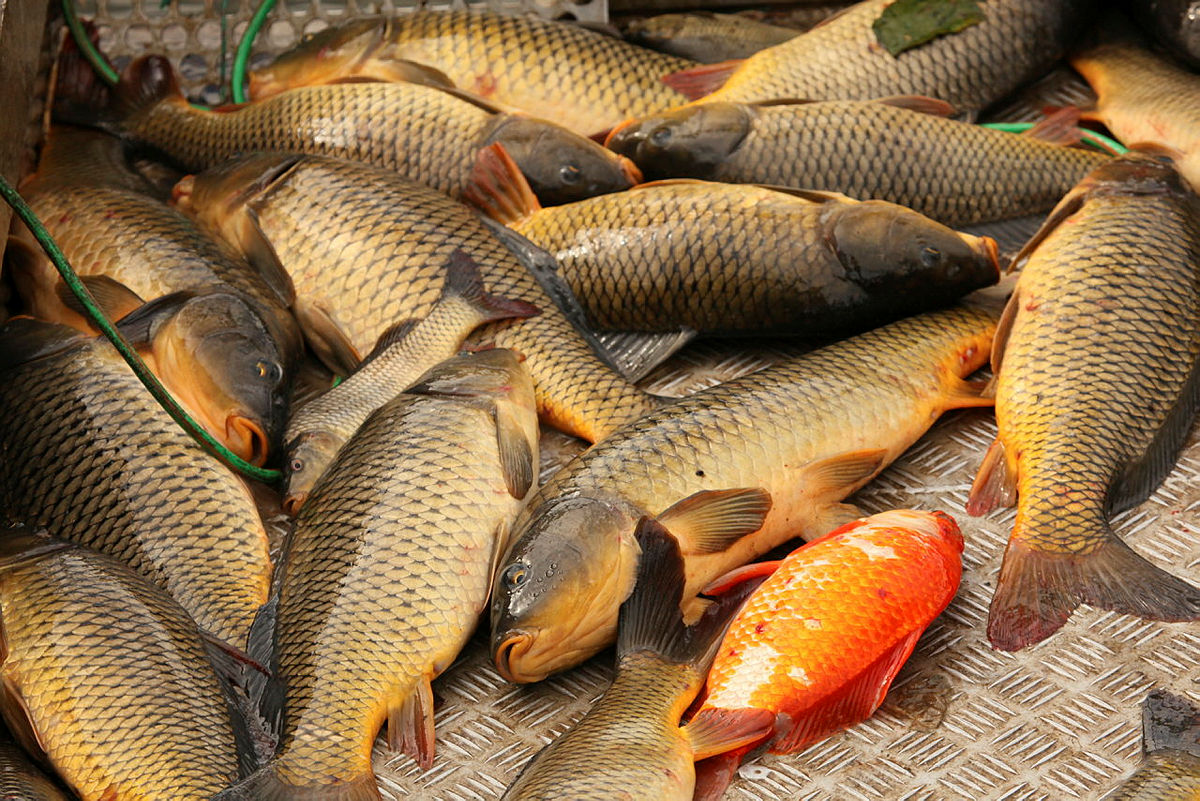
(870, 549)
(756, 669)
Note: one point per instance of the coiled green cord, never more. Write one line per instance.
(130, 355)
(1091, 137)
(237, 81)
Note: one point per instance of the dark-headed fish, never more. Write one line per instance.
(1097, 362)
(704, 36)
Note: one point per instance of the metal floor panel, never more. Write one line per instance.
(1060, 720)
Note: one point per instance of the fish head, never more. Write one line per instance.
(216, 353)
(308, 456)
(318, 58)
(560, 165)
(556, 594)
(690, 142)
(885, 246)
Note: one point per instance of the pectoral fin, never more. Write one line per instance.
(711, 521)
(326, 338)
(516, 452)
(715, 731)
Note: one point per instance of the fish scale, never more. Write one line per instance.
(581, 79)
(115, 678)
(841, 59)
(381, 259)
(102, 464)
(958, 174)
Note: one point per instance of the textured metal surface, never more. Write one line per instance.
(1060, 720)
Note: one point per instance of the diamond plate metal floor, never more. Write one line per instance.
(1059, 720)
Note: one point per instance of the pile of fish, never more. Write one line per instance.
(410, 249)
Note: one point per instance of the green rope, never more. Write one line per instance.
(1091, 137)
(139, 368)
(238, 79)
(94, 56)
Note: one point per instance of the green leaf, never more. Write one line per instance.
(907, 23)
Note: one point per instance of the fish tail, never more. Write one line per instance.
(463, 279)
(1039, 589)
(81, 98)
(651, 619)
(268, 785)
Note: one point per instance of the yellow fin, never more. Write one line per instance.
(712, 520)
(845, 472)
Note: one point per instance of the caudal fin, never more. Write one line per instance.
(267, 785)
(1038, 590)
(463, 279)
(81, 99)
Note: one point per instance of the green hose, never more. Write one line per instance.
(1091, 137)
(139, 368)
(94, 56)
(242, 58)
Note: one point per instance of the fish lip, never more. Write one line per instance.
(991, 251)
(293, 502)
(515, 642)
(620, 126)
(255, 444)
(630, 170)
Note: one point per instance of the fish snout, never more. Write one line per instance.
(513, 646)
(949, 530)
(988, 249)
(247, 439)
(293, 502)
(630, 170)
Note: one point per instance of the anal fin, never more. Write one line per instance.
(844, 472)
(995, 484)
(715, 731)
(410, 725)
(855, 701)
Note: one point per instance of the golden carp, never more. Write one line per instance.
(108, 677)
(323, 426)
(732, 472)
(730, 259)
(425, 134)
(1148, 102)
(840, 59)
(583, 80)
(215, 333)
(382, 258)
(704, 36)
(20, 780)
(629, 745)
(1171, 744)
(388, 571)
(899, 149)
(1097, 363)
(103, 465)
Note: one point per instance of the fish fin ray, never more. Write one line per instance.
(20, 721)
(846, 471)
(326, 338)
(716, 731)
(1004, 327)
(995, 484)
(517, 454)
(697, 82)
(463, 280)
(112, 297)
(1071, 203)
(968, 395)
(392, 335)
(139, 325)
(755, 571)
(230, 666)
(1059, 128)
(498, 188)
(651, 620)
(266, 785)
(922, 104)
(410, 724)
(857, 701)
(713, 775)
(261, 254)
(833, 517)
(1037, 591)
(25, 339)
(636, 353)
(1170, 722)
(711, 520)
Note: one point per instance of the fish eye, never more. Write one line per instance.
(930, 256)
(296, 465)
(570, 174)
(660, 136)
(269, 370)
(516, 575)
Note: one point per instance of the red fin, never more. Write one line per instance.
(715, 731)
(410, 725)
(714, 774)
(859, 697)
(1059, 128)
(463, 279)
(757, 570)
(1039, 590)
(498, 188)
(697, 82)
(79, 95)
(995, 486)
(920, 104)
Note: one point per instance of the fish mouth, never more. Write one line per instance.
(630, 170)
(514, 646)
(293, 502)
(990, 251)
(181, 193)
(247, 439)
(612, 134)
